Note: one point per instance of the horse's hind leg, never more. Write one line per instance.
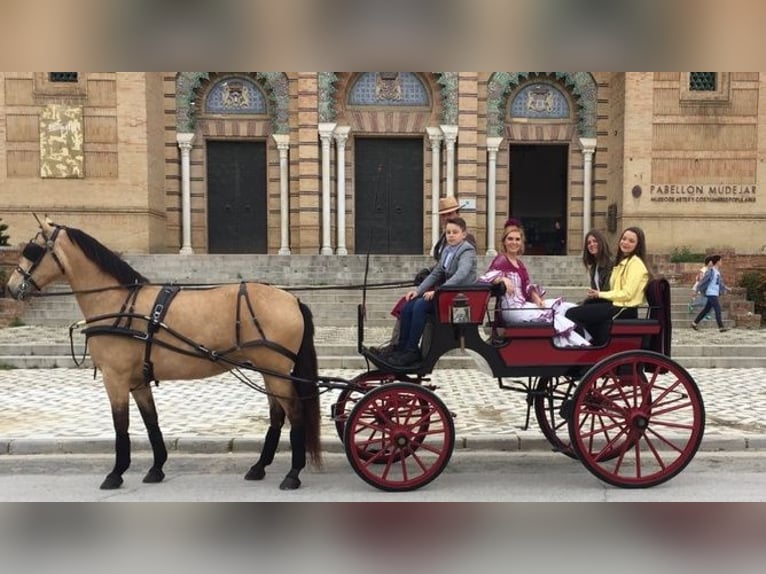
(145, 402)
(298, 447)
(270, 443)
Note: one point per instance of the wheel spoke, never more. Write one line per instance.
(624, 415)
(414, 440)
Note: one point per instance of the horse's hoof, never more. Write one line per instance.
(290, 483)
(154, 476)
(111, 482)
(256, 472)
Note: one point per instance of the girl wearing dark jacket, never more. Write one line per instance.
(597, 258)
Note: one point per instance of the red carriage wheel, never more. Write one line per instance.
(349, 396)
(637, 419)
(553, 405)
(361, 385)
(385, 441)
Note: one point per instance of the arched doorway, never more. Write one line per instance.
(389, 195)
(388, 164)
(232, 117)
(545, 118)
(538, 195)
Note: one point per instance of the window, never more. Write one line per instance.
(702, 81)
(704, 87)
(51, 87)
(63, 77)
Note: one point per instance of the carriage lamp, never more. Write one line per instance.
(460, 311)
(460, 314)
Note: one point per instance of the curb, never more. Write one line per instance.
(513, 442)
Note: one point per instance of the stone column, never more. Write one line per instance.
(341, 136)
(588, 149)
(283, 145)
(450, 137)
(435, 137)
(493, 145)
(325, 134)
(185, 144)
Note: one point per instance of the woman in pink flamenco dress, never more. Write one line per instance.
(523, 301)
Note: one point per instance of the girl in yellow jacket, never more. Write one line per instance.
(626, 289)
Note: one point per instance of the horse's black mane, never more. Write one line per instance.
(106, 259)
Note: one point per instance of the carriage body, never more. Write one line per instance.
(632, 415)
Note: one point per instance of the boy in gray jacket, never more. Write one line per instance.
(457, 266)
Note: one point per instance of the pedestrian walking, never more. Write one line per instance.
(712, 287)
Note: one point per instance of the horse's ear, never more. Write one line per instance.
(49, 222)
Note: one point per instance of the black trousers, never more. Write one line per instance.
(596, 316)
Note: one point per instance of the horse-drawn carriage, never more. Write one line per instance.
(625, 409)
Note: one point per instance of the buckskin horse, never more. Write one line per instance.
(139, 332)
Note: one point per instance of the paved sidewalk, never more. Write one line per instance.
(48, 411)
(66, 410)
(682, 335)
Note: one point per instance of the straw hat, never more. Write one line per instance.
(448, 205)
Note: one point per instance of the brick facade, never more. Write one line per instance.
(649, 130)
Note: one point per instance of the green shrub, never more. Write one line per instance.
(685, 255)
(754, 283)
(3, 237)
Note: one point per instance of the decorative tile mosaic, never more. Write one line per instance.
(235, 96)
(61, 154)
(389, 89)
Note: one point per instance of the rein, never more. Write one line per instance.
(203, 286)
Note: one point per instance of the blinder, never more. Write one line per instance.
(34, 253)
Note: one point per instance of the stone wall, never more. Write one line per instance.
(10, 310)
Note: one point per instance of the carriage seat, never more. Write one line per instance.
(656, 326)
(457, 304)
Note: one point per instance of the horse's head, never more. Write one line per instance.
(39, 264)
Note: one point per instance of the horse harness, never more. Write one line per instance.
(35, 252)
(122, 326)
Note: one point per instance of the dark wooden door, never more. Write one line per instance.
(388, 195)
(538, 195)
(236, 197)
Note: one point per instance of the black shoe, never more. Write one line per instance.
(405, 358)
(723, 329)
(383, 350)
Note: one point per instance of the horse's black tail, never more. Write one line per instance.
(306, 367)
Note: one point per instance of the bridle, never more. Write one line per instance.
(35, 253)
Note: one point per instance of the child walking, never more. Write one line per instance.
(711, 286)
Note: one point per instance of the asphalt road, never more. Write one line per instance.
(470, 477)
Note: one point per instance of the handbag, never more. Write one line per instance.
(421, 276)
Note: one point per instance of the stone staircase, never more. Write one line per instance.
(335, 308)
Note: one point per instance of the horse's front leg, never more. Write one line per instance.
(145, 402)
(118, 398)
(270, 443)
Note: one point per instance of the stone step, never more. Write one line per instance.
(349, 348)
(358, 363)
(344, 355)
(320, 270)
